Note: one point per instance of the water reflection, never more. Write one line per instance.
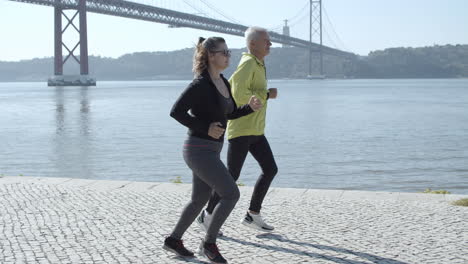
(84, 111)
(59, 110)
(72, 134)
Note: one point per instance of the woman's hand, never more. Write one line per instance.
(215, 130)
(255, 103)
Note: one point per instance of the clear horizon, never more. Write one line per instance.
(361, 26)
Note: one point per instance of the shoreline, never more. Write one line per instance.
(333, 194)
(274, 80)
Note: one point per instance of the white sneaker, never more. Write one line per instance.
(204, 220)
(256, 222)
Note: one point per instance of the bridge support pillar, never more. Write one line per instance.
(315, 28)
(59, 79)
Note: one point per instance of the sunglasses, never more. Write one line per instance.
(226, 53)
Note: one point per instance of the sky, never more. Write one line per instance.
(358, 26)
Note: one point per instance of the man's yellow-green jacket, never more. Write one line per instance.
(249, 79)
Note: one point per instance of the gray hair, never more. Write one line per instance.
(253, 33)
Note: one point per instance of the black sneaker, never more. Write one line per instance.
(211, 252)
(177, 246)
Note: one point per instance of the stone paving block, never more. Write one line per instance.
(323, 194)
(66, 223)
(18, 179)
(454, 197)
(358, 195)
(246, 190)
(286, 192)
(77, 182)
(172, 187)
(421, 197)
(32, 180)
(102, 185)
(58, 180)
(140, 186)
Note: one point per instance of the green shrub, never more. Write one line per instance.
(177, 180)
(461, 202)
(429, 190)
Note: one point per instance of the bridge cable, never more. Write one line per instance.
(333, 29)
(212, 7)
(279, 27)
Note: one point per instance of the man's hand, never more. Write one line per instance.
(272, 93)
(215, 130)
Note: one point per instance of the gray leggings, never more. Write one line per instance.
(209, 173)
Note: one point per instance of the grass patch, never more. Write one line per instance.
(429, 190)
(3, 175)
(177, 180)
(239, 183)
(461, 202)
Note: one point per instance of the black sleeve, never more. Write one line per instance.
(189, 97)
(240, 111)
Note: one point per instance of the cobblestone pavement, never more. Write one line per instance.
(63, 220)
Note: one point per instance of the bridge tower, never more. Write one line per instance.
(286, 31)
(315, 34)
(83, 79)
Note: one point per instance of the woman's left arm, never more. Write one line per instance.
(240, 111)
(253, 105)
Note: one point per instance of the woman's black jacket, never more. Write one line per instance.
(201, 97)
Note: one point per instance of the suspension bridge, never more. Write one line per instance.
(173, 18)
